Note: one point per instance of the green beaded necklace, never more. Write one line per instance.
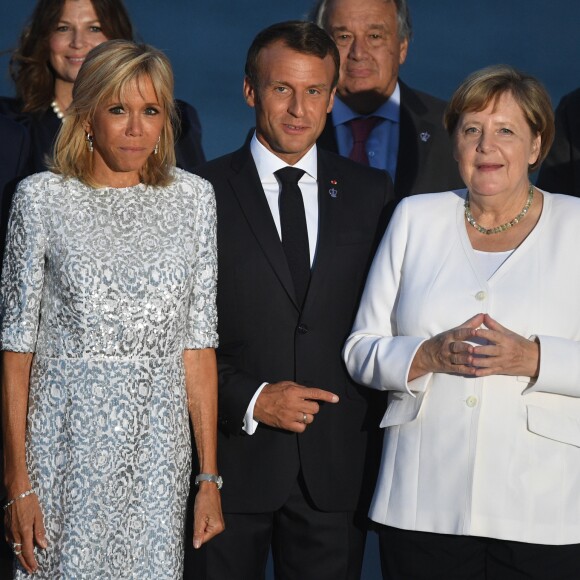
(469, 217)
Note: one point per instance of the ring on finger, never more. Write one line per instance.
(17, 552)
(304, 418)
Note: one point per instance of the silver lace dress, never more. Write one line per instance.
(108, 287)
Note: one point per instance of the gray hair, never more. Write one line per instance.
(404, 26)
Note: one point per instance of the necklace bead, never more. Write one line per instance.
(57, 110)
(503, 227)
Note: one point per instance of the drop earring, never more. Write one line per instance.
(156, 150)
(89, 140)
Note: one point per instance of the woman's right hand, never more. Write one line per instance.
(24, 525)
(447, 352)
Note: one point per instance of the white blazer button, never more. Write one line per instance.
(481, 295)
(471, 401)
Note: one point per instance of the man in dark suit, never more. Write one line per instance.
(14, 148)
(405, 135)
(560, 172)
(293, 427)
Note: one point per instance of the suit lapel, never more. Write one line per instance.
(249, 192)
(415, 134)
(328, 206)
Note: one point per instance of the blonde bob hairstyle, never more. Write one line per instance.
(108, 71)
(485, 86)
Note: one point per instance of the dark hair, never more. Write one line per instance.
(29, 65)
(303, 37)
(485, 86)
(404, 25)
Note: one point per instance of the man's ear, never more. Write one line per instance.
(331, 100)
(403, 48)
(249, 93)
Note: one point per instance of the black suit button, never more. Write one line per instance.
(302, 329)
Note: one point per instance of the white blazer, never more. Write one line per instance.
(493, 456)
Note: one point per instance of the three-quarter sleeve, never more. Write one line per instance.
(374, 355)
(202, 316)
(23, 270)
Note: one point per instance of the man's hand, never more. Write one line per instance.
(290, 406)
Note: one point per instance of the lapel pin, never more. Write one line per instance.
(425, 136)
(333, 192)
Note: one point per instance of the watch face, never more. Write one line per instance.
(219, 482)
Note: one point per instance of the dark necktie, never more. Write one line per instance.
(361, 129)
(294, 231)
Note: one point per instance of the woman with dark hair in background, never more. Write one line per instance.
(108, 329)
(44, 67)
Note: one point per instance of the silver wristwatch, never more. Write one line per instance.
(217, 479)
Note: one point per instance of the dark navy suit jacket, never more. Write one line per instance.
(425, 162)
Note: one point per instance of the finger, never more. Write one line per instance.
(493, 324)
(305, 418)
(206, 528)
(310, 407)
(473, 322)
(460, 360)
(199, 527)
(458, 346)
(27, 558)
(486, 351)
(40, 533)
(493, 336)
(198, 539)
(462, 369)
(486, 371)
(215, 526)
(319, 395)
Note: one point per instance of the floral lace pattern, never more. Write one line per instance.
(108, 287)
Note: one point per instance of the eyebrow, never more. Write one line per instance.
(344, 28)
(280, 82)
(97, 20)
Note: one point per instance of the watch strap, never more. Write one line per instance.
(217, 479)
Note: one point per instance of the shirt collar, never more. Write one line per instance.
(390, 109)
(267, 162)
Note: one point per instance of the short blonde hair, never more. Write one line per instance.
(106, 74)
(484, 86)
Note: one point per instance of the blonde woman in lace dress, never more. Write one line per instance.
(108, 330)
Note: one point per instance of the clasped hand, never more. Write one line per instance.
(290, 406)
(504, 351)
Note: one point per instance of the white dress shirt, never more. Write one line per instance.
(267, 163)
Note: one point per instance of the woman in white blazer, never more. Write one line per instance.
(470, 319)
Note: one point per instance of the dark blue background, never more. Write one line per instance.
(207, 43)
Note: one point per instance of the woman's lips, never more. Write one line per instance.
(489, 166)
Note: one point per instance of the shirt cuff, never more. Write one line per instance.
(250, 424)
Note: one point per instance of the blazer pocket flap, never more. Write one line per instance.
(403, 408)
(553, 425)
